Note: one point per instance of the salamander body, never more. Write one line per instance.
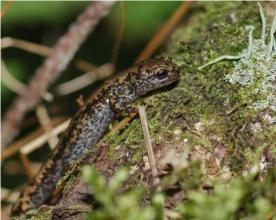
(91, 122)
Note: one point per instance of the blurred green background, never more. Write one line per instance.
(43, 23)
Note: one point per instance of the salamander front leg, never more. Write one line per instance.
(122, 109)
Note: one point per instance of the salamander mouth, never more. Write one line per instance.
(164, 80)
(167, 81)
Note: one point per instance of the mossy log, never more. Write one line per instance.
(215, 115)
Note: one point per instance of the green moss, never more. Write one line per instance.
(41, 215)
(251, 155)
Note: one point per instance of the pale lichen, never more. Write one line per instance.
(255, 68)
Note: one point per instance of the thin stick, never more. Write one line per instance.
(164, 31)
(42, 50)
(36, 143)
(121, 124)
(8, 195)
(14, 148)
(26, 165)
(85, 79)
(5, 8)
(83, 65)
(45, 122)
(120, 34)
(53, 66)
(10, 81)
(31, 47)
(16, 86)
(146, 133)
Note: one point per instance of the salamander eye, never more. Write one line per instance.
(162, 75)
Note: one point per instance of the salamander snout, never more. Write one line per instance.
(166, 71)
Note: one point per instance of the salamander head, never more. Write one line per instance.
(154, 74)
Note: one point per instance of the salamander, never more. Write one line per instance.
(91, 122)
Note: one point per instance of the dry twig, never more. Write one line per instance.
(92, 74)
(61, 55)
(164, 31)
(146, 133)
(5, 8)
(37, 142)
(12, 83)
(42, 50)
(16, 86)
(34, 139)
(85, 79)
(45, 122)
(120, 34)
(26, 165)
(8, 195)
(31, 47)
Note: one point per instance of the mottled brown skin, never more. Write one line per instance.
(91, 122)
